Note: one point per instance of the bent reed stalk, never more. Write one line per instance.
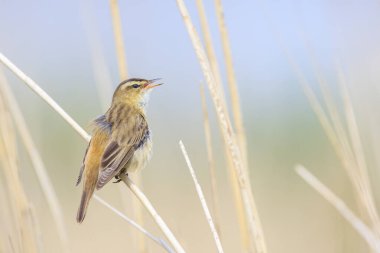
(157, 240)
(152, 211)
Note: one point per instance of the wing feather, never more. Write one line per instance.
(100, 123)
(82, 167)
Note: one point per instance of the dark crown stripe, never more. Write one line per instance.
(132, 80)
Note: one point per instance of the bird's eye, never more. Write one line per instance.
(135, 85)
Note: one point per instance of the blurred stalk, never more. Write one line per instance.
(23, 217)
(362, 169)
(365, 232)
(38, 165)
(119, 42)
(102, 76)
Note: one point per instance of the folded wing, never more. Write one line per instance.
(125, 139)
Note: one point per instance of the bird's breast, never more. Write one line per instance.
(142, 154)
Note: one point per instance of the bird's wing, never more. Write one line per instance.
(98, 123)
(125, 139)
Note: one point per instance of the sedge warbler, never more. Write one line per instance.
(120, 140)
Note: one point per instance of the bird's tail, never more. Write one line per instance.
(86, 196)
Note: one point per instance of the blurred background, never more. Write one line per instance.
(68, 48)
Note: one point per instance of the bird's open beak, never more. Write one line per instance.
(151, 83)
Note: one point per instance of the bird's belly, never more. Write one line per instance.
(141, 157)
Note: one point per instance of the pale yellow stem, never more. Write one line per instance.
(119, 42)
(234, 93)
(211, 163)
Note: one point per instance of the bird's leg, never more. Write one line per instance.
(118, 179)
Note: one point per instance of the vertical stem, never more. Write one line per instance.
(117, 29)
(210, 50)
(235, 100)
(211, 163)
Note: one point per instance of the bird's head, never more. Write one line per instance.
(134, 91)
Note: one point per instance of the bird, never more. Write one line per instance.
(121, 140)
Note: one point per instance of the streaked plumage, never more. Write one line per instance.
(120, 140)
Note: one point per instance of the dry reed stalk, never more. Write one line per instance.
(156, 217)
(341, 148)
(246, 241)
(118, 35)
(38, 165)
(254, 224)
(364, 231)
(23, 219)
(39, 91)
(362, 169)
(210, 50)
(139, 216)
(9, 231)
(202, 199)
(211, 163)
(234, 93)
(157, 240)
(35, 224)
(101, 72)
(215, 69)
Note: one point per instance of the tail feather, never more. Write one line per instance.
(86, 196)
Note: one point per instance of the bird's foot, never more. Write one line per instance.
(118, 179)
